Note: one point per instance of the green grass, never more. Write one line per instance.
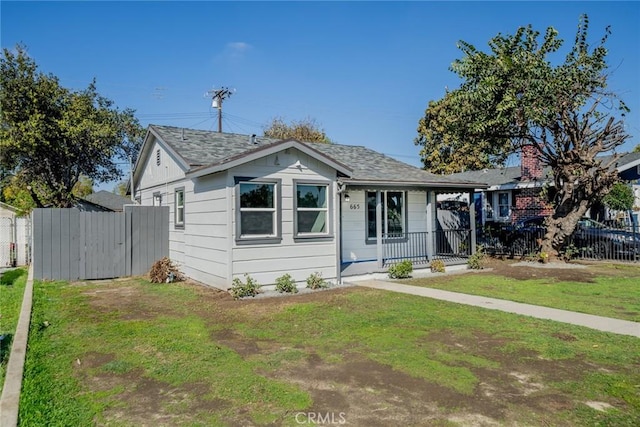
(12, 284)
(176, 347)
(172, 349)
(615, 291)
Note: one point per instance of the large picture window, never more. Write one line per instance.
(257, 209)
(393, 214)
(312, 209)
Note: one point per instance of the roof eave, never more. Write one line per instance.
(416, 184)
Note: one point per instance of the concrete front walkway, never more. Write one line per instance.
(606, 324)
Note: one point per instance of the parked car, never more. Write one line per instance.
(602, 242)
(592, 238)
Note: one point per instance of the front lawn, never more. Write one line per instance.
(610, 290)
(127, 352)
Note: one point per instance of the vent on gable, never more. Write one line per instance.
(158, 157)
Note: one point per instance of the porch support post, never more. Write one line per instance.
(472, 220)
(431, 223)
(380, 253)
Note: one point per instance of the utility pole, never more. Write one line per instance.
(217, 96)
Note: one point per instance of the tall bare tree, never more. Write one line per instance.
(514, 96)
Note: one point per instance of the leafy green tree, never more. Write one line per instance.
(121, 188)
(83, 187)
(303, 130)
(514, 96)
(16, 194)
(51, 136)
(620, 198)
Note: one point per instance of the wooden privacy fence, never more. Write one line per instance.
(72, 245)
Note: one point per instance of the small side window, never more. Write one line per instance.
(179, 206)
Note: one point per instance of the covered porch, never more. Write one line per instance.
(383, 226)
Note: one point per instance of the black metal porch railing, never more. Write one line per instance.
(450, 245)
(454, 243)
(405, 246)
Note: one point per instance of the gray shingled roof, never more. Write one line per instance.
(204, 148)
(511, 175)
(108, 200)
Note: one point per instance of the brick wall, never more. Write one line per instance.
(530, 165)
(528, 203)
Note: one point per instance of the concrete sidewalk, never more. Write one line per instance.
(605, 324)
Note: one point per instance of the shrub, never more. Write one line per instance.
(165, 271)
(437, 266)
(477, 261)
(315, 281)
(401, 270)
(240, 289)
(286, 284)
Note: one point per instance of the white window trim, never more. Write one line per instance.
(276, 210)
(328, 216)
(497, 205)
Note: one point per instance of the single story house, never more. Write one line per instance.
(513, 193)
(241, 204)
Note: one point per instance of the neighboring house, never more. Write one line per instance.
(103, 201)
(513, 193)
(265, 207)
(14, 237)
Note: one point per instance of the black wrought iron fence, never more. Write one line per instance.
(591, 240)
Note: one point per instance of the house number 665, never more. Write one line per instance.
(354, 206)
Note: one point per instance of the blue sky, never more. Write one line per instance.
(364, 71)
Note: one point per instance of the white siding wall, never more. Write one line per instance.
(206, 233)
(200, 247)
(355, 247)
(299, 257)
(154, 175)
(206, 248)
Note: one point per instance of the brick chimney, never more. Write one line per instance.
(530, 165)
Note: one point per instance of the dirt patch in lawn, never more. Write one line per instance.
(353, 387)
(558, 272)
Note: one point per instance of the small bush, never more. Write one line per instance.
(165, 271)
(437, 266)
(286, 284)
(478, 260)
(401, 270)
(239, 289)
(315, 281)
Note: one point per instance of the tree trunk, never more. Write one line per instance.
(561, 226)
